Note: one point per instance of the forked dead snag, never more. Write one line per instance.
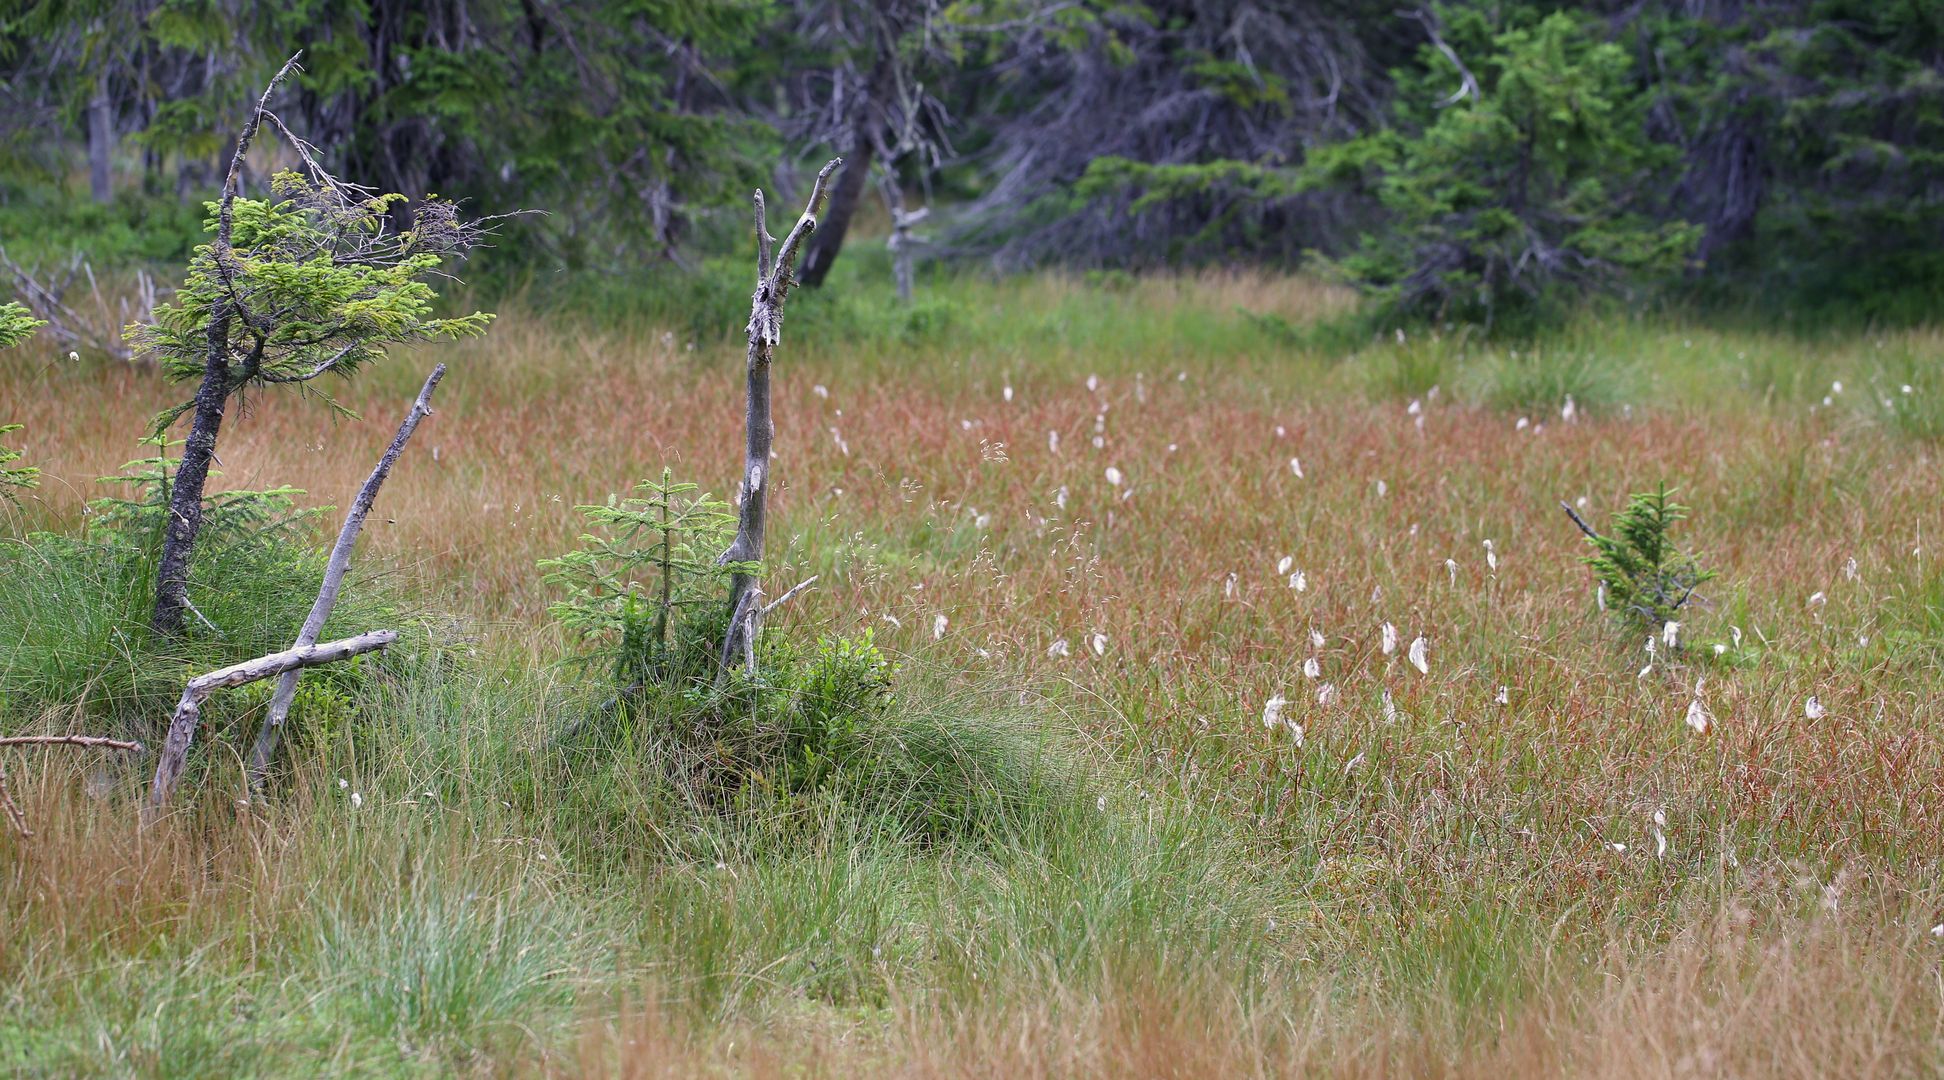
(773, 282)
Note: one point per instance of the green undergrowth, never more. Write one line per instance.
(440, 882)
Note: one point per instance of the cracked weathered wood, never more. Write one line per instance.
(327, 594)
(188, 713)
(773, 282)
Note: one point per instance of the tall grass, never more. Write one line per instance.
(1520, 859)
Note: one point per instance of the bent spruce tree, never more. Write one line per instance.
(313, 280)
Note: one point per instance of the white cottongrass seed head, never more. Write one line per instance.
(1698, 718)
(1272, 710)
(1417, 656)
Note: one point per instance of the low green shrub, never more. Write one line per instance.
(1643, 577)
(73, 609)
(822, 726)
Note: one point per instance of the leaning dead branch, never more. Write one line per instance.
(188, 713)
(11, 809)
(902, 243)
(773, 283)
(327, 594)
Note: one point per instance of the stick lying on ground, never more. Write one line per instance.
(188, 714)
(12, 809)
(327, 594)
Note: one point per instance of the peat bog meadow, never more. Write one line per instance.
(1247, 708)
(1294, 540)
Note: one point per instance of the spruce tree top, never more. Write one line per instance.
(313, 280)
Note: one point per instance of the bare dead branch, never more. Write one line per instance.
(786, 258)
(763, 239)
(188, 714)
(334, 571)
(785, 598)
(226, 209)
(11, 809)
(1467, 86)
(92, 742)
(1577, 520)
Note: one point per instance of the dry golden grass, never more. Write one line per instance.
(1834, 1000)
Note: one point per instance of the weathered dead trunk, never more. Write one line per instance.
(773, 282)
(101, 141)
(192, 476)
(903, 244)
(188, 713)
(824, 244)
(327, 594)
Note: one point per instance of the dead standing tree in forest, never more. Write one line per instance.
(773, 282)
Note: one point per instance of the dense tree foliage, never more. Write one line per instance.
(1462, 159)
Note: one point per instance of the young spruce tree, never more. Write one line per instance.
(16, 326)
(311, 281)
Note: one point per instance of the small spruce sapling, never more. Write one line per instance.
(313, 280)
(1645, 577)
(16, 326)
(633, 583)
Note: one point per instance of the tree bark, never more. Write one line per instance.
(188, 714)
(101, 141)
(828, 240)
(192, 475)
(212, 397)
(327, 593)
